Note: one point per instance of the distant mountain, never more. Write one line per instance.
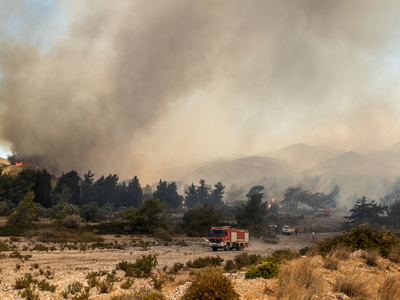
(240, 171)
(301, 156)
(351, 163)
(390, 155)
(330, 149)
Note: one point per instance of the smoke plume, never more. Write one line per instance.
(134, 87)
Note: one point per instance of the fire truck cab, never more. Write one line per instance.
(227, 238)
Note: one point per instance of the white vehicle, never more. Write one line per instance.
(287, 230)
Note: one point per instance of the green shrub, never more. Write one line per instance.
(40, 247)
(92, 278)
(43, 285)
(21, 283)
(107, 284)
(48, 274)
(29, 293)
(265, 270)
(127, 283)
(246, 260)
(15, 254)
(202, 262)
(361, 237)
(141, 268)
(230, 265)
(210, 284)
(176, 267)
(4, 246)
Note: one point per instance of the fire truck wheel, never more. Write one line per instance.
(215, 248)
(227, 247)
(241, 247)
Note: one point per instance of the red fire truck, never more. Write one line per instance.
(323, 213)
(227, 238)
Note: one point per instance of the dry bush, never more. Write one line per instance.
(390, 289)
(145, 294)
(341, 253)
(72, 221)
(394, 255)
(371, 257)
(331, 263)
(299, 281)
(352, 286)
(210, 284)
(309, 251)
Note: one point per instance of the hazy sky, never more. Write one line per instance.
(135, 87)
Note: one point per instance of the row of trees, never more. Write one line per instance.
(72, 193)
(198, 195)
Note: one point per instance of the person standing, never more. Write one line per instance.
(313, 234)
(296, 230)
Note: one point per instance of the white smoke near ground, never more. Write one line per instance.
(135, 87)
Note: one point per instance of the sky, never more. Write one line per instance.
(137, 87)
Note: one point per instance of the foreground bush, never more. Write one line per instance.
(265, 270)
(351, 286)
(141, 294)
(361, 237)
(298, 281)
(211, 284)
(390, 289)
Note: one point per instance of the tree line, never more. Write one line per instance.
(70, 192)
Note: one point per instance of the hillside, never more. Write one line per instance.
(241, 171)
(390, 155)
(301, 156)
(351, 163)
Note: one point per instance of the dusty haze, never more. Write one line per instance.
(136, 87)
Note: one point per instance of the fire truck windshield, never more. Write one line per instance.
(216, 233)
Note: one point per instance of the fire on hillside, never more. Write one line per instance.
(17, 162)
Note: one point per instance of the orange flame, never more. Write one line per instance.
(273, 200)
(269, 205)
(19, 164)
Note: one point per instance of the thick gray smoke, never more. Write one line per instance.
(133, 87)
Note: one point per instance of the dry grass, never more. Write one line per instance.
(394, 255)
(299, 281)
(371, 257)
(341, 253)
(390, 289)
(352, 286)
(331, 263)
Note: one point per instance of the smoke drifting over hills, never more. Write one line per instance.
(134, 87)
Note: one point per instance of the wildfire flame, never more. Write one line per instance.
(26, 164)
(273, 201)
